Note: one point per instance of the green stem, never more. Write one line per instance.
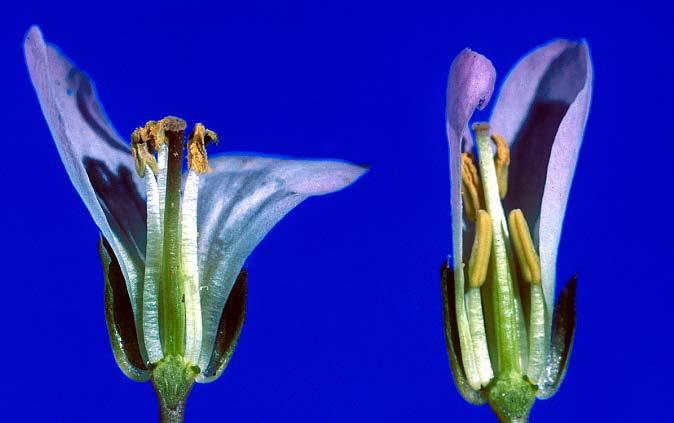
(175, 415)
(172, 324)
(172, 379)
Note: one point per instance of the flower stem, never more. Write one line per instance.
(175, 415)
(172, 379)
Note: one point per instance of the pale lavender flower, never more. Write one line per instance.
(181, 326)
(507, 344)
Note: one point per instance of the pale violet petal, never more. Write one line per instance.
(561, 167)
(97, 161)
(239, 202)
(519, 88)
(554, 90)
(470, 86)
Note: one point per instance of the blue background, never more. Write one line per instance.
(344, 313)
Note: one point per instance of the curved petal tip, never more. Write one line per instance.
(324, 177)
(33, 33)
(470, 86)
(566, 75)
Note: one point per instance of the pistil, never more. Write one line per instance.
(503, 295)
(171, 301)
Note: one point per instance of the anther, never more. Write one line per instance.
(470, 189)
(141, 154)
(529, 263)
(501, 162)
(481, 251)
(154, 134)
(197, 159)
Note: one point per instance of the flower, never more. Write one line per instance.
(507, 345)
(175, 291)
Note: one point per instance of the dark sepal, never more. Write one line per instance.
(563, 331)
(452, 338)
(119, 317)
(229, 329)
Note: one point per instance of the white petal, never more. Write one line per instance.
(98, 162)
(239, 202)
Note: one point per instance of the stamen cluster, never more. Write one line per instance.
(503, 338)
(171, 314)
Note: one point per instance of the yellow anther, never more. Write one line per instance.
(501, 162)
(470, 186)
(141, 153)
(479, 254)
(529, 263)
(196, 147)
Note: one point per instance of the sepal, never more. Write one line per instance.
(452, 339)
(119, 317)
(563, 331)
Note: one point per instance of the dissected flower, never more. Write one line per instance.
(510, 184)
(172, 245)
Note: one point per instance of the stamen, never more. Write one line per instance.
(538, 339)
(153, 133)
(141, 153)
(153, 261)
(190, 268)
(470, 189)
(200, 137)
(501, 162)
(525, 252)
(481, 251)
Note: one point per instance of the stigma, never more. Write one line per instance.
(171, 312)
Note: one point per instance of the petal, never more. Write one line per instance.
(239, 202)
(470, 85)
(98, 162)
(560, 172)
(519, 88)
(541, 111)
(554, 91)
